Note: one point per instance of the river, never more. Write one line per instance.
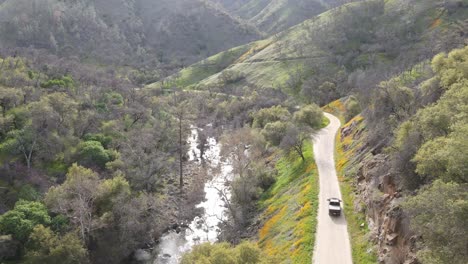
(205, 228)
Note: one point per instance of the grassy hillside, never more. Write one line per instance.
(277, 15)
(291, 210)
(212, 65)
(356, 40)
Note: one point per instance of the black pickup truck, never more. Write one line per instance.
(334, 206)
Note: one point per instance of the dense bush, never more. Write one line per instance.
(92, 153)
(309, 115)
(275, 131)
(44, 246)
(430, 144)
(269, 115)
(21, 221)
(223, 253)
(439, 214)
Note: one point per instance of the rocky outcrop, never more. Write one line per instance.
(379, 197)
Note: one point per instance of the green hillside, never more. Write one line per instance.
(354, 39)
(274, 16)
(277, 15)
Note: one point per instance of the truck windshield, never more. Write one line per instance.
(335, 203)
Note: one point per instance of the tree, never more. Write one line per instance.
(22, 142)
(146, 156)
(236, 147)
(352, 108)
(294, 140)
(76, 197)
(391, 104)
(40, 127)
(10, 98)
(20, 221)
(269, 115)
(309, 115)
(112, 192)
(242, 148)
(92, 153)
(445, 157)
(139, 219)
(438, 213)
(274, 132)
(328, 91)
(181, 111)
(44, 246)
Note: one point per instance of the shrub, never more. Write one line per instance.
(92, 153)
(274, 132)
(309, 115)
(20, 221)
(269, 115)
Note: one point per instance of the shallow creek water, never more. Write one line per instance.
(205, 228)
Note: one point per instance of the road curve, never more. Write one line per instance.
(332, 240)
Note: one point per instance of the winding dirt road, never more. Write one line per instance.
(332, 240)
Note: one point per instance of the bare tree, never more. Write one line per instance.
(294, 140)
(75, 198)
(182, 112)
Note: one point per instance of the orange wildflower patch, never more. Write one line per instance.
(436, 23)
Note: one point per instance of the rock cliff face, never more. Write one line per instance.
(377, 190)
(379, 198)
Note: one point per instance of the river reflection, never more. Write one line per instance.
(205, 228)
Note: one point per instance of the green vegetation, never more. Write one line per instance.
(44, 246)
(438, 152)
(21, 221)
(92, 153)
(275, 16)
(161, 34)
(430, 149)
(439, 213)
(291, 210)
(309, 115)
(94, 119)
(274, 132)
(46, 129)
(64, 82)
(362, 248)
(269, 115)
(210, 66)
(324, 57)
(223, 253)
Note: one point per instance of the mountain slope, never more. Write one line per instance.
(345, 44)
(122, 30)
(277, 15)
(274, 16)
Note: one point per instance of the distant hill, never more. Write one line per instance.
(272, 16)
(351, 46)
(123, 31)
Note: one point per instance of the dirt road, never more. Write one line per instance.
(332, 240)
